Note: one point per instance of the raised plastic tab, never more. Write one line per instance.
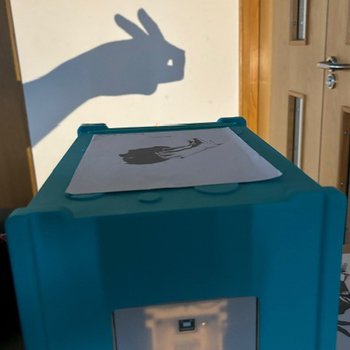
(234, 121)
(217, 189)
(149, 197)
(91, 128)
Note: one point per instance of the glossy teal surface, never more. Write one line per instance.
(78, 258)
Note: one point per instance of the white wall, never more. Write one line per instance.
(62, 91)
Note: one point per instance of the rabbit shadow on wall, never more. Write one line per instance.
(134, 66)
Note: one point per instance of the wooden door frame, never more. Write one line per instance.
(17, 180)
(255, 63)
(249, 24)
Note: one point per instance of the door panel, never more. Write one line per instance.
(326, 119)
(337, 100)
(294, 70)
(334, 160)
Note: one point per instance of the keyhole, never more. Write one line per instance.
(331, 81)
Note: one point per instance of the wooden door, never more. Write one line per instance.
(335, 144)
(295, 80)
(308, 121)
(334, 163)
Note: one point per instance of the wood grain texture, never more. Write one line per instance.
(265, 54)
(348, 30)
(17, 184)
(293, 68)
(249, 61)
(336, 103)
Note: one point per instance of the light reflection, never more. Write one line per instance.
(211, 324)
(222, 324)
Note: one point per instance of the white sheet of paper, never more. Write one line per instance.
(167, 159)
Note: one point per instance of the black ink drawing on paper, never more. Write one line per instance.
(157, 154)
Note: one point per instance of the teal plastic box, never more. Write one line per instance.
(77, 259)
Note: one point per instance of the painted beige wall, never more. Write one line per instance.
(50, 33)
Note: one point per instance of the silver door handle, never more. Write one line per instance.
(332, 64)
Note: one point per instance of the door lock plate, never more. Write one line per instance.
(331, 81)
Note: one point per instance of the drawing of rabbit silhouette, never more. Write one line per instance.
(132, 66)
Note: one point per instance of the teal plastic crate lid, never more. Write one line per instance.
(53, 195)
